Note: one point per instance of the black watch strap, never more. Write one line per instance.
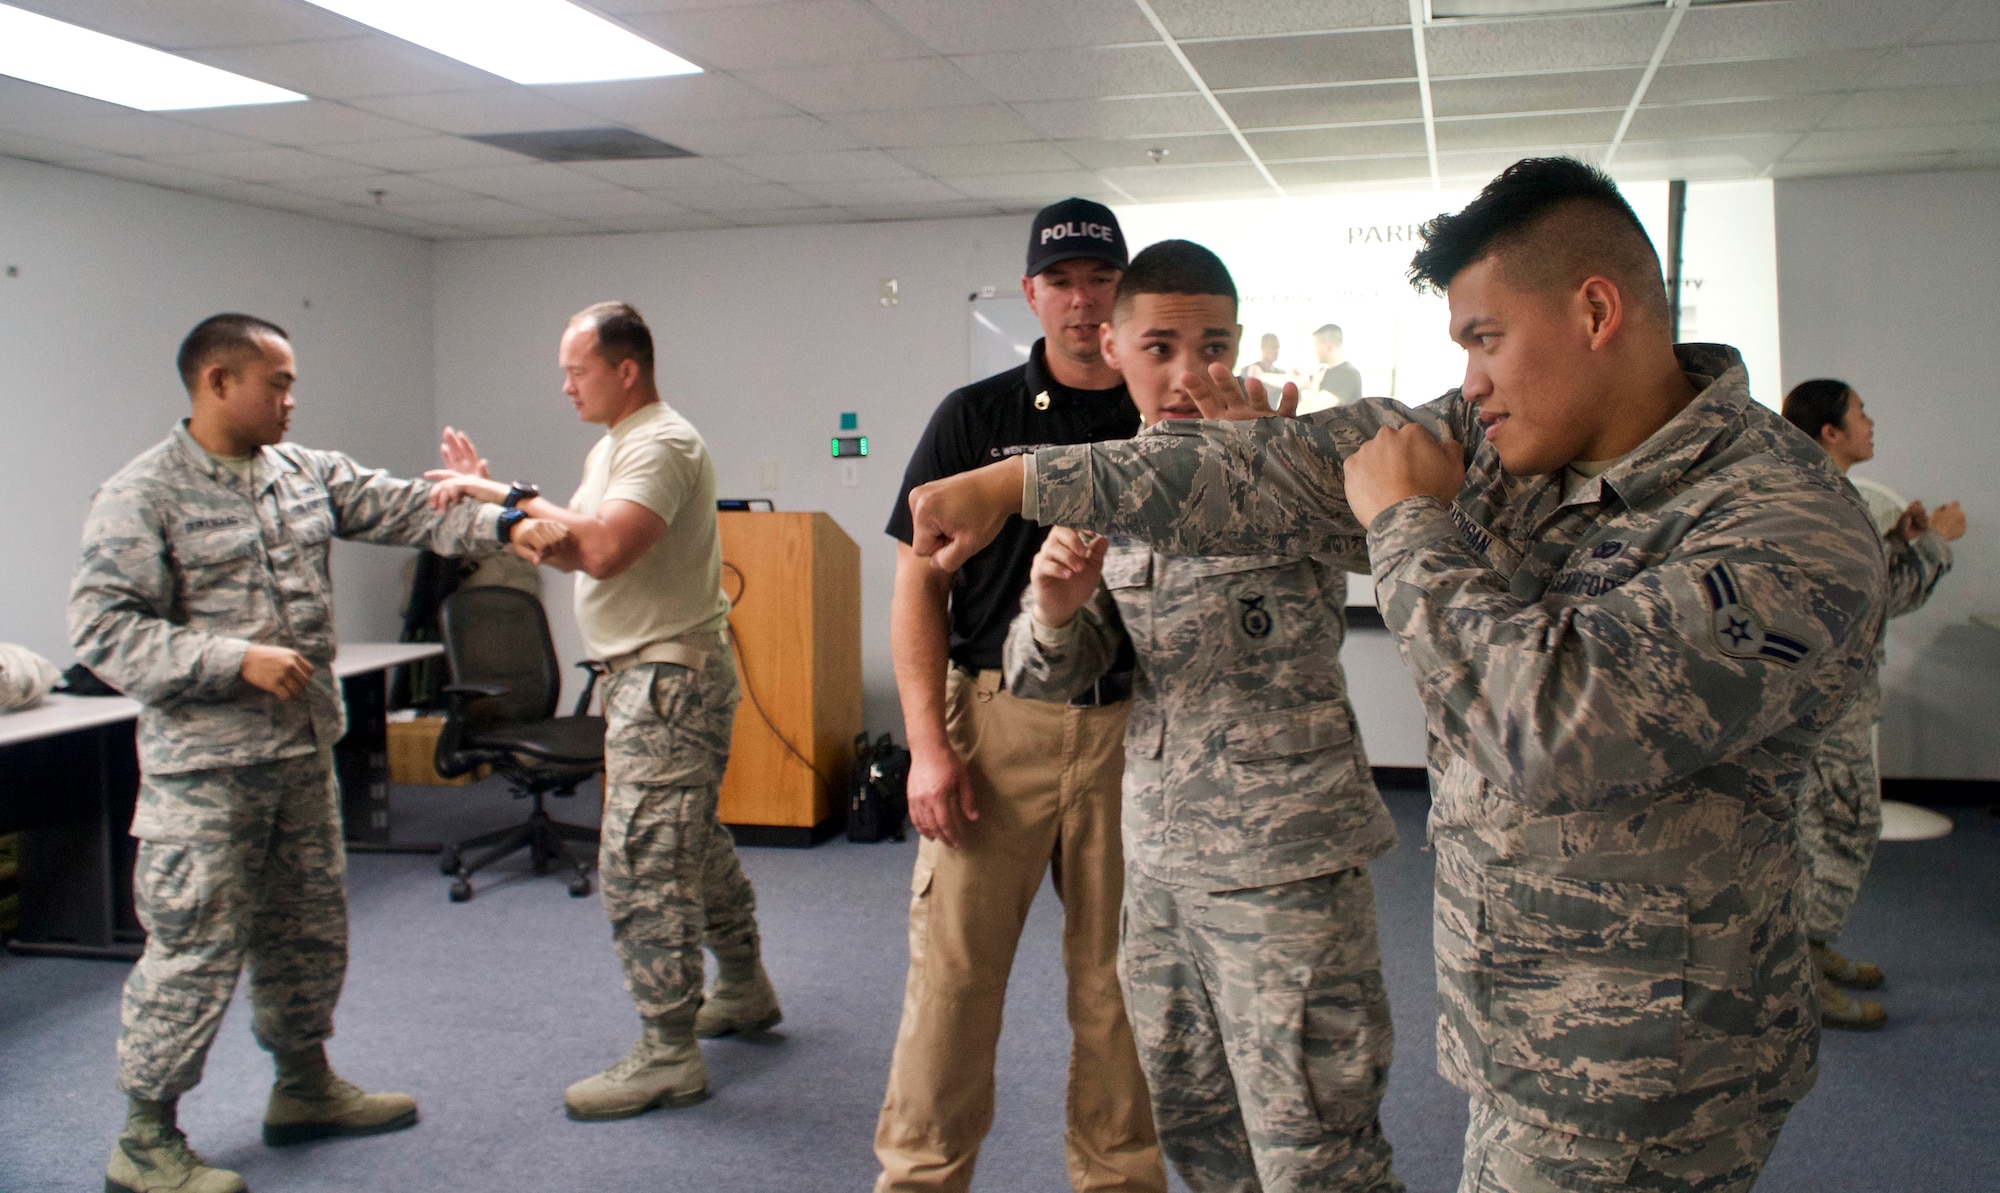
(509, 519)
(518, 492)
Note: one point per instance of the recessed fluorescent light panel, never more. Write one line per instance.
(70, 58)
(528, 41)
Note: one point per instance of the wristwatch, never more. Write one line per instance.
(509, 519)
(518, 492)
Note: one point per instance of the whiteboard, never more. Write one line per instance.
(1001, 332)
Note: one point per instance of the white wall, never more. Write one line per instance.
(112, 275)
(1892, 283)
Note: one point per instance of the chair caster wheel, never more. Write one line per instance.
(448, 862)
(461, 891)
(579, 887)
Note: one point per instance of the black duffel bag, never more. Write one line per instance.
(878, 790)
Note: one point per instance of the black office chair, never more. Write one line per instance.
(500, 711)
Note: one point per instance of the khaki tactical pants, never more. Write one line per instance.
(237, 865)
(1263, 1026)
(1506, 1155)
(1046, 778)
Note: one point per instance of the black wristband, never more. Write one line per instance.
(509, 519)
(519, 492)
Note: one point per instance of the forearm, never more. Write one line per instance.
(155, 661)
(592, 547)
(1915, 567)
(1056, 663)
(920, 649)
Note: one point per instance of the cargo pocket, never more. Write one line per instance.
(1584, 988)
(1282, 763)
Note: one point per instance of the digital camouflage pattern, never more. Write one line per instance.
(1506, 1155)
(252, 871)
(184, 568)
(1840, 810)
(1623, 690)
(1242, 763)
(1263, 1027)
(667, 867)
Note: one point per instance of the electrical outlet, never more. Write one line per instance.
(767, 476)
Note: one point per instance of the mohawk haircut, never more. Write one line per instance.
(1172, 267)
(230, 336)
(1815, 405)
(622, 333)
(1550, 222)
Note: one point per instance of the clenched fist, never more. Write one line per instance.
(276, 669)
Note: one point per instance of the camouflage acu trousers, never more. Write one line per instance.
(1506, 1155)
(668, 869)
(1840, 821)
(1263, 1027)
(236, 865)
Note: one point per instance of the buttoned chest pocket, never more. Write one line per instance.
(308, 520)
(218, 570)
(1282, 765)
(1128, 574)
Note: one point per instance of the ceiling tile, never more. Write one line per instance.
(1918, 105)
(1192, 182)
(726, 200)
(138, 134)
(1968, 20)
(1307, 106)
(1841, 143)
(414, 154)
(40, 149)
(266, 165)
(315, 123)
(1039, 188)
(754, 37)
(610, 203)
(469, 212)
(1084, 72)
(1740, 157)
(852, 165)
(1122, 117)
(1555, 91)
(677, 97)
(1365, 140)
(349, 67)
(185, 24)
(1312, 58)
(666, 173)
(1132, 153)
(1306, 177)
(398, 190)
(1019, 24)
(1763, 76)
(1793, 114)
(911, 127)
(509, 110)
(908, 83)
(22, 101)
(519, 181)
(905, 190)
(1527, 133)
(676, 221)
(1923, 66)
(1023, 157)
(783, 218)
(962, 209)
(257, 194)
(1187, 19)
(1789, 30)
(1552, 43)
(768, 134)
(140, 170)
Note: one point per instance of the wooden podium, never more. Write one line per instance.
(795, 580)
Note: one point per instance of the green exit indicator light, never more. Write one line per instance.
(849, 445)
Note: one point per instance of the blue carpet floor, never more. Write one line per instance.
(484, 1011)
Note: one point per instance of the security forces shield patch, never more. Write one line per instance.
(1738, 632)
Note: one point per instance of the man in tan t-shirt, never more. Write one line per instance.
(643, 540)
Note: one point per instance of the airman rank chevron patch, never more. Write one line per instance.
(1739, 632)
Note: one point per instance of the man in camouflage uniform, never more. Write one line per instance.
(1632, 619)
(1247, 951)
(1840, 814)
(643, 537)
(204, 594)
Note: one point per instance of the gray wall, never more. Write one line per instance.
(112, 275)
(1892, 283)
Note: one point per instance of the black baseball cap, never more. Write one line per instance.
(1075, 228)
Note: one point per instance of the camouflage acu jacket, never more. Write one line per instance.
(1243, 767)
(184, 568)
(1623, 690)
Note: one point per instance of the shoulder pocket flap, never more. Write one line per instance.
(215, 546)
(1543, 912)
(1224, 565)
(1128, 567)
(1290, 731)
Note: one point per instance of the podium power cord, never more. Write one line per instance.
(750, 689)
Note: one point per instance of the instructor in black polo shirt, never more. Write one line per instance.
(1005, 790)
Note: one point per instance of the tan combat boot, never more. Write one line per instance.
(742, 1001)
(1836, 1009)
(663, 1069)
(1855, 975)
(311, 1101)
(152, 1156)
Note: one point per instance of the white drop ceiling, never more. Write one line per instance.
(839, 110)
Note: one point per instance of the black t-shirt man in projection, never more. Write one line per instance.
(1006, 790)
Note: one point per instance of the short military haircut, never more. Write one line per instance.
(1550, 222)
(1815, 405)
(622, 333)
(1330, 332)
(1172, 267)
(223, 337)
